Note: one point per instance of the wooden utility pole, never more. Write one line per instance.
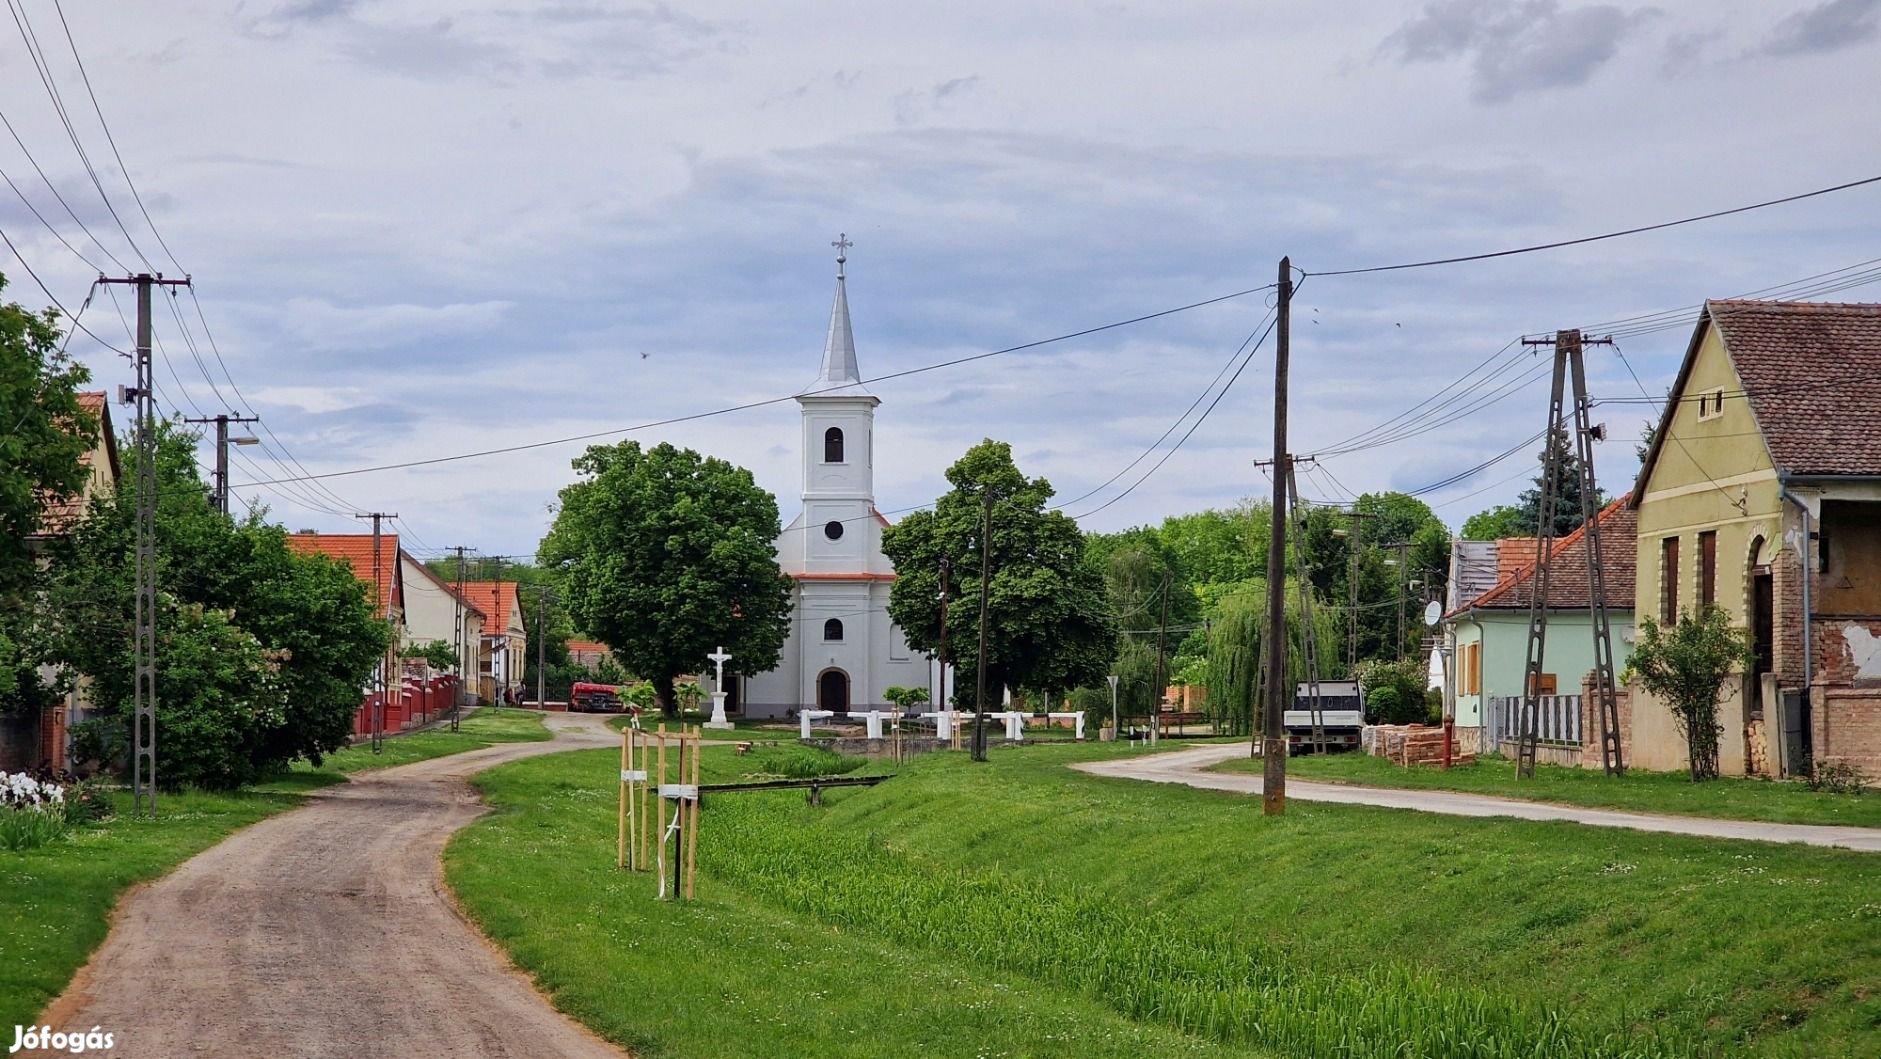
(1273, 733)
(385, 612)
(979, 662)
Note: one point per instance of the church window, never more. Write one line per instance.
(833, 629)
(833, 529)
(833, 445)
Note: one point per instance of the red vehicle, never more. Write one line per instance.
(595, 698)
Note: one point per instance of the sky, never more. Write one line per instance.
(423, 229)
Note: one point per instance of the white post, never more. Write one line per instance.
(719, 720)
(1116, 732)
(803, 721)
(873, 722)
(1080, 723)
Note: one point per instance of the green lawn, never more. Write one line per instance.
(56, 901)
(1020, 908)
(1651, 792)
(741, 730)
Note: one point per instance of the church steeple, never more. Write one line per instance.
(839, 349)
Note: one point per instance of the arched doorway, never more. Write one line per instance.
(832, 691)
(1762, 624)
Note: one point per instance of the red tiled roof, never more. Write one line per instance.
(355, 550)
(586, 647)
(496, 599)
(1515, 553)
(1812, 372)
(1567, 566)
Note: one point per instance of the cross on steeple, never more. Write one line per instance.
(842, 245)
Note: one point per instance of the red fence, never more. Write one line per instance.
(418, 700)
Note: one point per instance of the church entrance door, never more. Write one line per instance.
(832, 691)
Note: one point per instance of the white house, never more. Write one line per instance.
(842, 650)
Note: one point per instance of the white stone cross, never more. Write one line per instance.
(719, 720)
(719, 658)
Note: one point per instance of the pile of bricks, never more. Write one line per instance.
(1414, 744)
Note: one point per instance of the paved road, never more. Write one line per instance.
(1189, 767)
(326, 931)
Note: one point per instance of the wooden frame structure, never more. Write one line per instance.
(647, 772)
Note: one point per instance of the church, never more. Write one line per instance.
(842, 650)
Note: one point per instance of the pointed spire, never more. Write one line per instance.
(839, 350)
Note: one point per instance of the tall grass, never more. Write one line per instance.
(1144, 964)
(804, 762)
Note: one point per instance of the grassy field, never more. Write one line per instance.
(1650, 792)
(1023, 909)
(742, 729)
(56, 901)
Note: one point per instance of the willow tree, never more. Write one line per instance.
(1237, 642)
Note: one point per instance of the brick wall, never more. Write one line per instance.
(1847, 724)
(1787, 637)
(1590, 756)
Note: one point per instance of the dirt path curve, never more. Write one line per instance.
(325, 932)
(1189, 767)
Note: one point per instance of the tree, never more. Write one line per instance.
(1687, 667)
(261, 652)
(1237, 644)
(1567, 491)
(438, 654)
(44, 435)
(664, 554)
(905, 699)
(1394, 691)
(1503, 520)
(1049, 619)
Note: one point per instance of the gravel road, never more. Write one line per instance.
(326, 932)
(1190, 767)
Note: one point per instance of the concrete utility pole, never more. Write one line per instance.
(385, 612)
(221, 479)
(144, 712)
(946, 571)
(979, 662)
(463, 621)
(1162, 687)
(498, 683)
(1273, 733)
(1352, 535)
(1404, 558)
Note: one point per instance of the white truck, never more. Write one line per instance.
(1341, 716)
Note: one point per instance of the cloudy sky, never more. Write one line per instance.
(424, 229)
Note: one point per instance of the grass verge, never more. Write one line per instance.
(1181, 921)
(56, 900)
(1729, 798)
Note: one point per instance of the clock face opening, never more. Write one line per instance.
(833, 530)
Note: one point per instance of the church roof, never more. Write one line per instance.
(840, 376)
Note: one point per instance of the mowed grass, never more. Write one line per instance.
(56, 901)
(1732, 798)
(1185, 916)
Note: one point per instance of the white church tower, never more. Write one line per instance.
(842, 651)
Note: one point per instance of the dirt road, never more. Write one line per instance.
(325, 931)
(1191, 767)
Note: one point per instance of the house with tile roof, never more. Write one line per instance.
(29, 739)
(505, 640)
(1761, 494)
(435, 610)
(374, 562)
(1488, 631)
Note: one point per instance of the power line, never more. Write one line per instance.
(1597, 238)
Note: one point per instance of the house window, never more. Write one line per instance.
(1711, 404)
(1471, 676)
(1708, 568)
(1669, 580)
(833, 445)
(833, 630)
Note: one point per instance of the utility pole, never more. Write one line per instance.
(1568, 365)
(1403, 573)
(1162, 687)
(222, 452)
(463, 645)
(385, 612)
(1357, 519)
(144, 715)
(1274, 739)
(497, 685)
(946, 569)
(979, 662)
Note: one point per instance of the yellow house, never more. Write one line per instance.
(1761, 494)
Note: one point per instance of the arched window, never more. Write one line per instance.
(833, 629)
(833, 445)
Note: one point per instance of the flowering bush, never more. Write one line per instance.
(32, 813)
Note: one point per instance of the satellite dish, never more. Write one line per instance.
(1432, 611)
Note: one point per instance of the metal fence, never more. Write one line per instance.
(1558, 725)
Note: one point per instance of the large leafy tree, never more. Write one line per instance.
(1503, 520)
(261, 653)
(1049, 618)
(44, 434)
(664, 554)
